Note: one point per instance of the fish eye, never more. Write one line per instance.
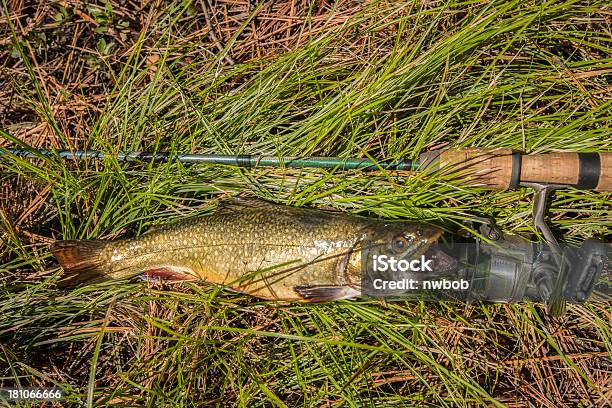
(399, 243)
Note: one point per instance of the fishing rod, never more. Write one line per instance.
(498, 168)
(557, 272)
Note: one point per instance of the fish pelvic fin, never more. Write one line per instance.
(168, 273)
(81, 261)
(325, 293)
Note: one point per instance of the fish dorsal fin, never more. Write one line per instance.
(155, 228)
(310, 217)
(242, 204)
(245, 203)
(258, 204)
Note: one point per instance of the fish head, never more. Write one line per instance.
(405, 241)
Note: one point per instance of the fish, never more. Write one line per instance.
(267, 250)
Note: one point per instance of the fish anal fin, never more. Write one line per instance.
(168, 273)
(325, 293)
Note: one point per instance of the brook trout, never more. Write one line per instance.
(266, 250)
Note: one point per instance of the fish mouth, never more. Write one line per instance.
(441, 262)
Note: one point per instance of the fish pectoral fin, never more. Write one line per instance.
(167, 273)
(325, 293)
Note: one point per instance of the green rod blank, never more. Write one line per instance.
(231, 160)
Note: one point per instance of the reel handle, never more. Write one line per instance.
(505, 169)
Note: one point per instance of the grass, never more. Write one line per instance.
(378, 79)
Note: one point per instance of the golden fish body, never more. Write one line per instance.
(266, 250)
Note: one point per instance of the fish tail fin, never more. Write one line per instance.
(81, 261)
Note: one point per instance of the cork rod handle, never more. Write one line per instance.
(505, 169)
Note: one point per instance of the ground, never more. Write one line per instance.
(378, 79)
